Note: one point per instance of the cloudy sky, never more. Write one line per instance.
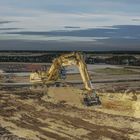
(94, 25)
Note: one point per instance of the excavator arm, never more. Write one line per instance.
(74, 58)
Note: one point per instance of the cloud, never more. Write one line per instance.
(75, 20)
(73, 6)
(71, 27)
(138, 19)
(48, 15)
(118, 31)
(8, 29)
(119, 37)
(5, 22)
(104, 45)
(47, 21)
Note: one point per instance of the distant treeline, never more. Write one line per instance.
(114, 60)
(29, 58)
(90, 58)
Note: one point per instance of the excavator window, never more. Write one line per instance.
(63, 73)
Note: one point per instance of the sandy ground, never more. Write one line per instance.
(58, 113)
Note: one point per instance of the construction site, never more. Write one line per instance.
(69, 99)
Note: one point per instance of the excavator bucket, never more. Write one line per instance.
(90, 100)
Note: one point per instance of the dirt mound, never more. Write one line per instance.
(66, 95)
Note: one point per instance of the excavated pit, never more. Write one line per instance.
(59, 113)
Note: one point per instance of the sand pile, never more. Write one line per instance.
(66, 95)
(136, 108)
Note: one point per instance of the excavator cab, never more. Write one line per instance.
(62, 74)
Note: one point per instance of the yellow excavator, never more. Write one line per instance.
(55, 72)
